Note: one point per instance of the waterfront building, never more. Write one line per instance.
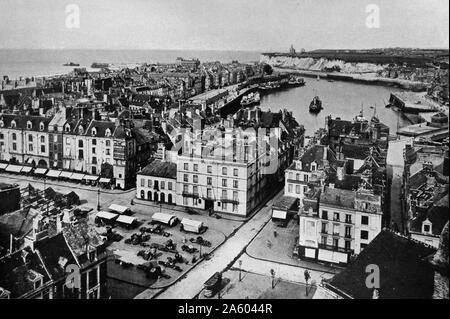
(157, 182)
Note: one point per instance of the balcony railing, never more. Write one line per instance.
(188, 194)
(229, 200)
(335, 248)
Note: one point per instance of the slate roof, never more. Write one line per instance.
(338, 197)
(159, 168)
(404, 269)
(55, 254)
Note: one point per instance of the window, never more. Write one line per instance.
(30, 138)
(290, 175)
(224, 182)
(208, 181)
(185, 188)
(348, 231)
(163, 185)
(41, 126)
(363, 246)
(14, 137)
(324, 228)
(224, 194)
(94, 170)
(80, 143)
(336, 216)
(93, 280)
(348, 245)
(142, 182)
(169, 186)
(224, 171)
(324, 214)
(29, 125)
(185, 178)
(186, 166)
(235, 172)
(42, 148)
(195, 167)
(195, 189)
(348, 219)
(365, 220)
(364, 234)
(108, 152)
(426, 228)
(297, 176)
(336, 242)
(195, 178)
(14, 146)
(290, 186)
(209, 169)
(305, 178)
(94, 160)
(80, 154)
(108, 143)
(93, 150)
(323, 240)
(149, 183)
(235, 196)
(209, 193)
(30, 147)
(55, 138)
(235, 184)
(43, 140)
(297, 189)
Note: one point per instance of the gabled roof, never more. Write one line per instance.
(159, 168)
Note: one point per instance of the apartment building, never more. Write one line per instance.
(338, 224)
(24, 139)
(158, 182)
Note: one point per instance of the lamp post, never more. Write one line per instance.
(240, 269)
(272, 274)
(98, 199)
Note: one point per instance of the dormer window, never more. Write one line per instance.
(29, 125)
(67, 128)
(13, 124)
(41, 126)
(94, 131)
(80, 130)
(108, 132)
(313, 167)
(427, 227)
(2, 124)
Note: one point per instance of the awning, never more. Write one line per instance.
(106, 215)
(26, 169)
(90, 177)
(118, 208)
(77, 176)
(3, 165)
(105, 180)
(192, 223)
(53, 173)
(65, 174)
(13, 168)
(126, 219)
(162, 217)
(279, 214)
(40, 171)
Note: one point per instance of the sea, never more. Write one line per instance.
(17, 63)
(340, 99)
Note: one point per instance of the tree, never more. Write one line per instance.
(267, 68)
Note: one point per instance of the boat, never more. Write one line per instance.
(97, 65)
(271, 86)
(251, 99)
(316, 105)
(71, 64)
(296, 82)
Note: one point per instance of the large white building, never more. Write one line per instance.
(337, 223)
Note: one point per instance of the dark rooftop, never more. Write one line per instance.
(160, 168)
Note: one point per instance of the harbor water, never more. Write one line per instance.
(339, 99)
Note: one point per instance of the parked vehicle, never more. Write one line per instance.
(212, 285)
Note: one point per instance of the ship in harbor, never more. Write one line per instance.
(295, 82)
(97, 65)
(316, 105)
(269, 87)
(251, 99)
(71, 64)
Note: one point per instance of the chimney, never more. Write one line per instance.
(59, 226)
(340, 173)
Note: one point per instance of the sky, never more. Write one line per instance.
(253, 25)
